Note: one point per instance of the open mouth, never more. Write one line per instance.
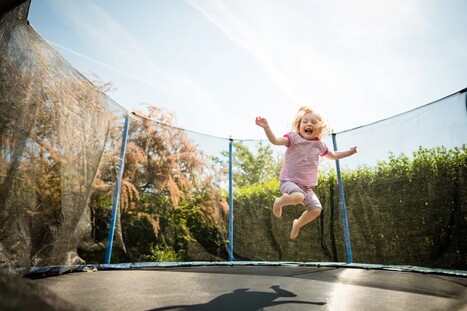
(309, 130)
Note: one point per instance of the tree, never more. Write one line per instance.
(166, 182)
(251, 168)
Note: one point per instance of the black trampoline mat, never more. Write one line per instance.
(248, 288)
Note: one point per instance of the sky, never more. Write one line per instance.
(218, 64)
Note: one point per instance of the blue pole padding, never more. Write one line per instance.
(348, 247)
(118, 186)
(231, 235)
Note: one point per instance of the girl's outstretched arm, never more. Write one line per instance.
(262, 122)
(336, 155)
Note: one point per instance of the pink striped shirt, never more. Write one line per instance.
(301, 160)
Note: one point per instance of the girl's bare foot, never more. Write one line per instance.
(295, 230)
(277, 209)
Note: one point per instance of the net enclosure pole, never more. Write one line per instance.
(231, 235)
(118, 186)
(348, 247)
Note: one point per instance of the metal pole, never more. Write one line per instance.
(348, 247)
(231, 235)
(118, 185)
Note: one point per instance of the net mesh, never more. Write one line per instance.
(59, 160)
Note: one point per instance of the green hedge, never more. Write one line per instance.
(406, 211)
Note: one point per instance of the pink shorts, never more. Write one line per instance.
(310, 201)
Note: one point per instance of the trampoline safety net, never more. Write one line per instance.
(60, 142)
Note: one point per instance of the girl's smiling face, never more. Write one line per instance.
(310, 126)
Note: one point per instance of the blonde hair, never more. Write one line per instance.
(323, 127)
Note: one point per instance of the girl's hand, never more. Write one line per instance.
(261, 122)
(353, 150)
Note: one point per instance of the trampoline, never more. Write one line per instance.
(249, 286)
(50, 216)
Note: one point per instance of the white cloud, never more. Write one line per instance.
(336, 55)
(126, 55)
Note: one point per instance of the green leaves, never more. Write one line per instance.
(250, 168)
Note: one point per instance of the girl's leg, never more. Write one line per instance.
(286, 199)
(307, 216)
